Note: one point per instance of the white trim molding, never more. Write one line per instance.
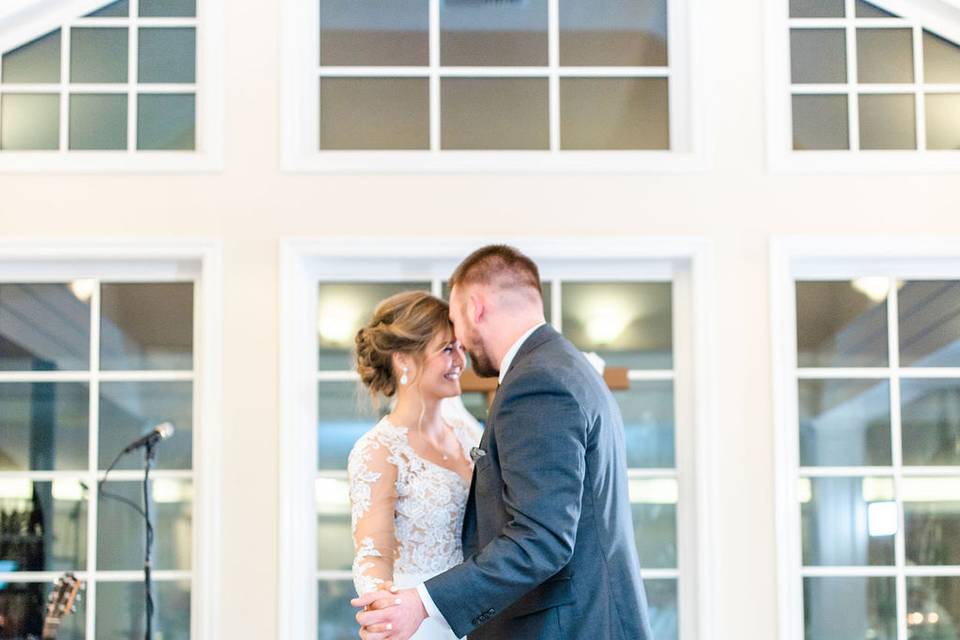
(688, 109)
(27, 20)
(808, 258)
(941, 17)
(688, 262)
(138, 260)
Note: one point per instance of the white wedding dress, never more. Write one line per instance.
(407, 512)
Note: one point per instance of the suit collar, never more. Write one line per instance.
(539, 335)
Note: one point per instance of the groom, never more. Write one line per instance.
(547, 537)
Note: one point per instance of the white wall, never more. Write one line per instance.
(251, 205)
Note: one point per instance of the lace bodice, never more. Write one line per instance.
(407, 512)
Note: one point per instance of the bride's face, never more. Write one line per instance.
(442, 366)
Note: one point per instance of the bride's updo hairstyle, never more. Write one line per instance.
(403, 323)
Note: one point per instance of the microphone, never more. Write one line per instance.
(160, 432)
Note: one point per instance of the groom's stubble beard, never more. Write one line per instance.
(483, 366)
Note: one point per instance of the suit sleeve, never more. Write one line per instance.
(541, 444)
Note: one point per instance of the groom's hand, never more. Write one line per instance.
(393, 615)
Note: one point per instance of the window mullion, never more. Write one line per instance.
(133, 51)
(93, 462)
(853, 100)
(434, 75)
(66, 35)
(918, 81)
(553, 40)
(893, 348)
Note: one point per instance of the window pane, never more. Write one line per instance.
(118, 9)
(45, 327)
(120, 610)
(168, 55)
(373, 33)
(941, 59)
(494, 113)
(931, 422)
(654, 506)
(24, 606)
(820, 123)
(345, 412)
(120, 529)
(44, 426)
(818, 56)
(613, 32)
(168, 8)
(934, 606)
(334, 534)
(647, 410)
(146, 326)
(98, 121)
(943, 121)
(166, 122)
(476, 405)
(30, 122)
(45, 525)
(817, 8)
(342, 308)
(374, 113)
(614, 113)
(129, 410)
(841, 608)
(884, 55)
(627, 324)
(932, 512)
(888, 122)
(335, 617)
(662, 602)
(848, 522)
(36, 61)
(867, 10)
(842, 324)
(929, 326)
(98, 54)
(844, 423)
(493, 33)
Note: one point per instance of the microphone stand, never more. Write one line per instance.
(150, 457)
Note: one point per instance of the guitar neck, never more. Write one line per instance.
(50, 627)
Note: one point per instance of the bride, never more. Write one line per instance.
(410, 474)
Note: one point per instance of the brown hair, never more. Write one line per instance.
(498, 264)
(404, 323)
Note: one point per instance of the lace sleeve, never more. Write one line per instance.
(373, 496)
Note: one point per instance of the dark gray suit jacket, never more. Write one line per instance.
(548, 536)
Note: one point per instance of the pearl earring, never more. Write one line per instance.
(403, 378)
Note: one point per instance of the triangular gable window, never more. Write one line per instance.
(120, 78)
(870, 81)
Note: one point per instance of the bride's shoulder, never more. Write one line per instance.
(382, 434)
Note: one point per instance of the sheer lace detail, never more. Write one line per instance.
(407, 512)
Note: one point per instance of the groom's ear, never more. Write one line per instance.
(476, 306)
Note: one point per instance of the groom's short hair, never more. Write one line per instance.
(500, 265)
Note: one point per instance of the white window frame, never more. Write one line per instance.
(834, 258)
(199, 262)
(686, 262)
(22, 24)
(938, 16)
(687, 106)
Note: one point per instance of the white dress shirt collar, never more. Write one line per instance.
(512, 352)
